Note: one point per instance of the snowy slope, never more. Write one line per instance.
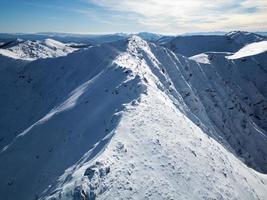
(201, 58)
(167, 157)
(196, 44)
(243, 37)
(130, 120)
(250, 50)
(31, 50)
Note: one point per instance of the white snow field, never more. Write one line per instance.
(32, 50)
(201, 58)
(133, 120)
(250, 50)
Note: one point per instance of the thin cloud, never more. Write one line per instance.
(184, 15)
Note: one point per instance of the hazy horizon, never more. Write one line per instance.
(129, 33)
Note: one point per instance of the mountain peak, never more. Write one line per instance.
(244, 37)
(32, 50)
(137, 40)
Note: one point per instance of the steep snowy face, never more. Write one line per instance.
(133, 120)
(233, 95)
(226, 98)
(32, 50)
(193, 45)
(54, 111)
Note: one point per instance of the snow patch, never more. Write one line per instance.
(201, 58)
(250, 50)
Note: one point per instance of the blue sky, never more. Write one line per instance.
(108, 16)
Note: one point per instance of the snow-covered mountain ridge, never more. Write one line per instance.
(130, 120)
(31, 50)
(196, 44)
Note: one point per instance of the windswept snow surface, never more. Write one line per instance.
(133, 120)
(32, 50)
(250, 50)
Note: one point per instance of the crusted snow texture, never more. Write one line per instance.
(133, 120)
